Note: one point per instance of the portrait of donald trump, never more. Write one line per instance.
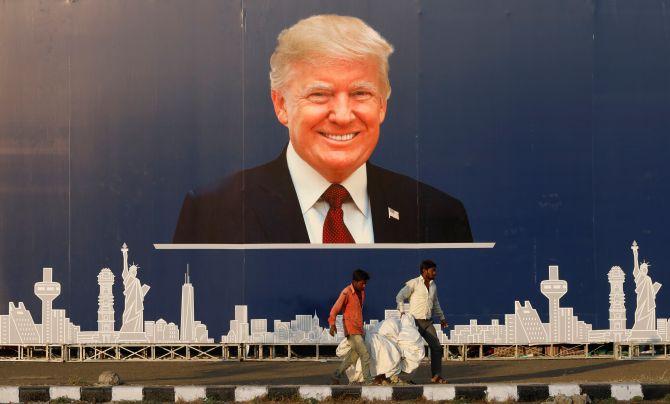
(330, 88)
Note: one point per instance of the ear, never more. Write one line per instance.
(382, 109)
(279, 102)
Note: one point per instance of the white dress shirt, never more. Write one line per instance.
(310, 185)
(423, 302)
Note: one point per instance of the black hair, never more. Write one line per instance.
(427, 264)
(360, 275)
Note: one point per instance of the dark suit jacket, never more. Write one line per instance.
(259, 205)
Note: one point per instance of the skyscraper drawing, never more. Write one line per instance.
(553, 289)
(47, 291)
(187, 324)
(106, 305)
(616, 278)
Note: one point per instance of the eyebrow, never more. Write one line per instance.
(318, 87)
(359, 85)
(363, 85)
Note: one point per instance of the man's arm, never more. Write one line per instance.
(335, 310)
(403, 295)
(437, 311)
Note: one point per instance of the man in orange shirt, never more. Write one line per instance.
(350, 303)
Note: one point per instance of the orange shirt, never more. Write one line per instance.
(352, 306)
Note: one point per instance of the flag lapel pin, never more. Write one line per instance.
(393, 214)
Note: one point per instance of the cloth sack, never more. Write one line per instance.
(395, 346)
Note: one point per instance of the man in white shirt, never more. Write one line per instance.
(423, 306)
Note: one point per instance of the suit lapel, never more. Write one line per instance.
(386, 229)
(273, 201)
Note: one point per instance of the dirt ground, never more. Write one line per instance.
(282, 372)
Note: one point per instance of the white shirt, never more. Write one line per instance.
(310, 185)
(423, 302)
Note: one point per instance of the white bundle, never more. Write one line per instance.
(411, 344)
(395, 346)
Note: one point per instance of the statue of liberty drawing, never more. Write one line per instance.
(644, 328)
(132, 326)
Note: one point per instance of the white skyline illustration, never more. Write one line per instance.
(523, 326)
(18, 326)
(526, 327)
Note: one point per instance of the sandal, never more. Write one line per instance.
(438, 380)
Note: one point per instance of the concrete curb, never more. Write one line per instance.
(483, 392)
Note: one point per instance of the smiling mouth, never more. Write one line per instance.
(339, 138)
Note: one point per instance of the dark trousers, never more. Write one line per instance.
(427, 331)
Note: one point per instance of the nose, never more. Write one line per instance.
(340, 111)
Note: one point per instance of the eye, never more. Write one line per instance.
(318, 97)
(362, 94)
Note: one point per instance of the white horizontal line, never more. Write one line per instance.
(307, 246)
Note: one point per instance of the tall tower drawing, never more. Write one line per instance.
(616, 278)
(47, 291)
(553, 289)
(187, 325)
(106, 305)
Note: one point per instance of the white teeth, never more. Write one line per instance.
(341, 138)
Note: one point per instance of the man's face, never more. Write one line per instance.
(333, 110)
(429, 274)
(359, 285)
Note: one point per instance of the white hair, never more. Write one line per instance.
(332, 36)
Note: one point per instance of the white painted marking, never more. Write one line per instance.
(439, 393)
(128, 393)
(626, 391)
(248, 393)
(501, 392)
(9, 394)
(376, 392)
(71, 392)
(308, 246)
(189, 393)
(565, 389)
(315, 392)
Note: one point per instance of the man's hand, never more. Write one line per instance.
(444, 323)
(333, 330)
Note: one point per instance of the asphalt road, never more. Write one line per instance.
(282, 372)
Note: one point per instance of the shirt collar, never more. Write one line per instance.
(310, 185)
(353, 291)
(421, 281)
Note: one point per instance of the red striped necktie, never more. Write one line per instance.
(334, 229)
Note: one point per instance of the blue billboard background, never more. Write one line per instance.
(549, 121)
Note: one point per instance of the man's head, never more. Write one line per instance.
(428, 270)
(359, 279)
(330, 86)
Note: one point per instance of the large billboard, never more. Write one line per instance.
(547, 122)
